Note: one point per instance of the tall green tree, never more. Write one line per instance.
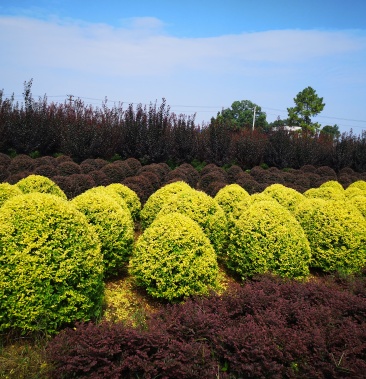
(240, 115)
(307, 105)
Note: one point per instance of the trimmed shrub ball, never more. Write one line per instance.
(361, 184)
(113, 225)
(336, 231)
(203, 209)
(21, 163)
(360, 203)
(51, 267)
(156, 201)
(39, 183)
(174, 259)
(8, 191)
(67, 168)
(46, 170)
(326, 193)
(267, 238)
(129, 196)
(229, 196)
(287, 197)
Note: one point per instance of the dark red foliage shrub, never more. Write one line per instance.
(99, 177)
(288, 177)
(4, 160)
(249, 184)
(345, 180)
(46, 160)
(14, 178)
(62, 159)
(176, 175)
(212, 176)
(86, 168)
(326, 171)
(215, 187)
(257, 172)
(46, 170)
(64, 183)
(134, 164)
(21, 163)
(125, 167)
(159, 170)
(346, 171)
(140, 185)
(114, 173)
(308, 168)
(191, 174)
(4, 173)
(208, 168)
(233, 172)
(152, 178)
(79, 183)
(68, 168)
(313, 179)
(266, 328)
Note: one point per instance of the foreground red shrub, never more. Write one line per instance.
(264, 329)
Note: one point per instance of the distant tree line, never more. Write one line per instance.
(154, 134)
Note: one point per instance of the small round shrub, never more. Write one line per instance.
(134, 164)
(21, 163)
(233, 172)
(157, 169)
(152, 178)
(214, 187)
(267, 238)
(51, 268)
(212, 176)
(229, 196)
(125, 167)
(326, 171)
(46, 160)
(141, 186)
(249, 184)
(308, 168)
(354, 191)
(7, 191)
(114, 173)
(46, 170)
(61, 159)
(79, 183)
(64, 183)
(176, 175)
(174, 259)
(287, 197)
(156, 201)
(203, 209)
(361, 184)
(68, 168)
(129, 196)
(190, 172)
(327, 193)
(14, 178)
(336, 231)
(38, 183)
(333, 184)
(99, 177)
(113, 225)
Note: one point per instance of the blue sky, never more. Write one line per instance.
(199, 55)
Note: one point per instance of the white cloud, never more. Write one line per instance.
(141, 59)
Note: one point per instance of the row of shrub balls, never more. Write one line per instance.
(55, 253)
(74, 178)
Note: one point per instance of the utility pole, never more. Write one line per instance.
(254, 117)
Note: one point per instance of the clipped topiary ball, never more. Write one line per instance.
(267, 238)
(360, 203)
(113, 225)
(174, 259)
(286, 196)
(129, 196)
(361, 184)
(156, 201)
(336, 232)
(7, 191)
(38, 183)
(326, 193)
(51, 268)
(229, 196)
(203, 209)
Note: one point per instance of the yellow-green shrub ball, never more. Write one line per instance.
(267, 238)
(336, 231)
(229, 196)
(8, 191)
(174, 259)
(39, 183)
(51, 267)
